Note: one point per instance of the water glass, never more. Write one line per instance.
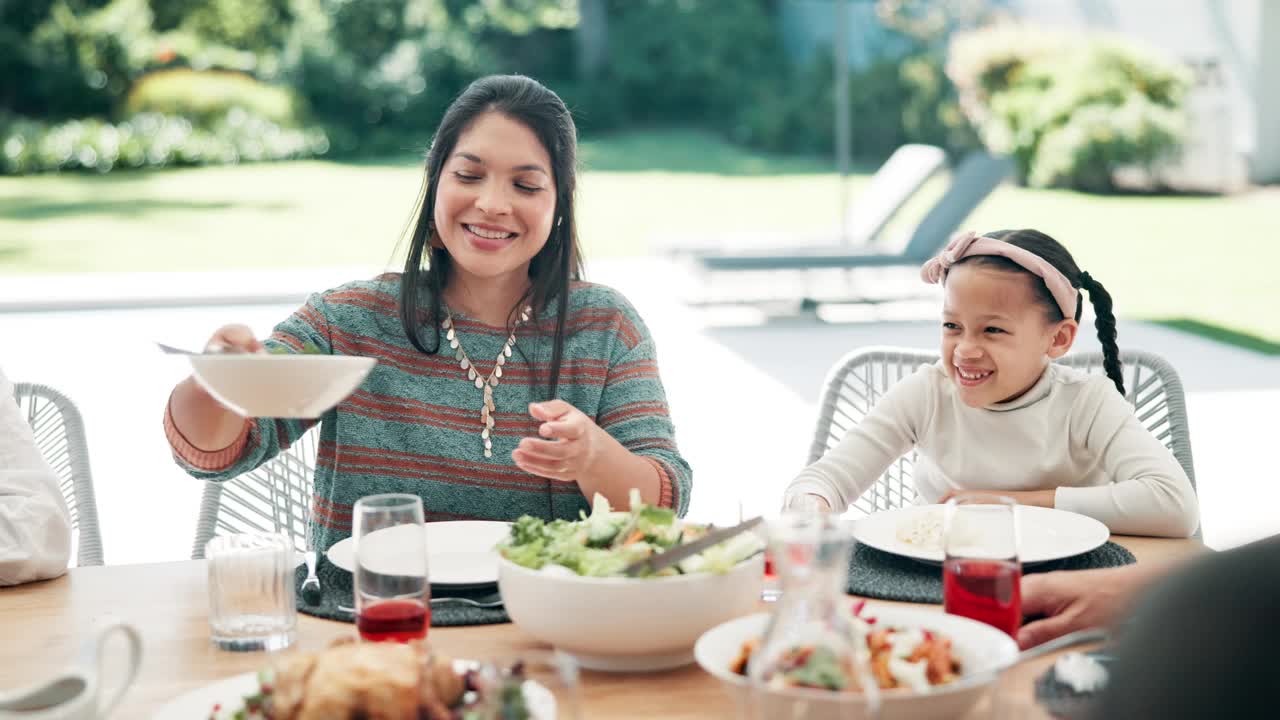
(392, 592)
(981, 575)
(251, 604)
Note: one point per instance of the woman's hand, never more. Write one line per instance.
(198, 417)
(234, 338)
(571, 446)
(1039, 498)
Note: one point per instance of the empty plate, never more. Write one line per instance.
(458, 552)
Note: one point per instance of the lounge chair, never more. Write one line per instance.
(896, 182)
(972, 181)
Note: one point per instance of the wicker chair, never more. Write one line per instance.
(275, 497)
(59, 435)
(862, 377)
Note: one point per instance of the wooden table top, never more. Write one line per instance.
(44, 623)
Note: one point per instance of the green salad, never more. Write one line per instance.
(605, 542)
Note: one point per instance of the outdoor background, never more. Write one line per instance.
(167, 166)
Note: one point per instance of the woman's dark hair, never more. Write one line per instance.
(1052, 251)
(426, 269)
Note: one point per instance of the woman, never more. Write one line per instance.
(505, 386)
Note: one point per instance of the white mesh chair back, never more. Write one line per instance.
(276, 497)
(862, 377)
(59, 434)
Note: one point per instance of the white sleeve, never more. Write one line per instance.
(885, 434)
(35, 528)
(1149, 493)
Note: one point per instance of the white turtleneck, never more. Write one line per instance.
(1071, 431)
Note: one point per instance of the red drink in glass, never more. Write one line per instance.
(393, 621)
(988, 591)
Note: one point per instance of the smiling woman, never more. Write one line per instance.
(505, 385)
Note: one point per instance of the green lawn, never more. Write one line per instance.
(1202, 263)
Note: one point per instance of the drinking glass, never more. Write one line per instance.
(810, 620)
(539, 684)
(251, 603)
(392, 592)
(981, 575)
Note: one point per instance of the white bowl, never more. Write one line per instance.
(280, 386)
(626, 624)
(976, 645)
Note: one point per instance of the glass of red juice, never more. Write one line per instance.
(392, 590)
(981, 574)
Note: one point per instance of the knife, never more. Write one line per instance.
(658, 561)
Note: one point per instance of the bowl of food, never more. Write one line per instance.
(927, 664)
(563, 582)
(272, 385)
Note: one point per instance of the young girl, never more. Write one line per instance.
(995, 413)
(504, 385)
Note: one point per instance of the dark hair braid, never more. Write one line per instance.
(1052, 251)
(1104, 319)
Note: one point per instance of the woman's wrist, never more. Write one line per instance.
(614, 470)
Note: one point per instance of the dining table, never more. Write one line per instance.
(44, 623)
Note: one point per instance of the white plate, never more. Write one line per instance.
(230, 694)
(976, 645)
(1045, 534)
(458, 552)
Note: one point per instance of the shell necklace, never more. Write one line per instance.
(485, 383)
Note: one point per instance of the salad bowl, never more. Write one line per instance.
(561, 582)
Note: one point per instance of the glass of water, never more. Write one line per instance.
(251, 604)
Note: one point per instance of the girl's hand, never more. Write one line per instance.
(1039, 498)
(234, 338)
(809, 503)
(571, 446)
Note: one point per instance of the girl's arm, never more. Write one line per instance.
(885, 434)
(1149, 493)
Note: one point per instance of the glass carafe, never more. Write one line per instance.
(812, 661)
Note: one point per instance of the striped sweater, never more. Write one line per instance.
(414, 425)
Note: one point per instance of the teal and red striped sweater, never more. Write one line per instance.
(414, 424)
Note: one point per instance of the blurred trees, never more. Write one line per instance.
(370, 76)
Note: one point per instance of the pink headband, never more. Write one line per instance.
(968, 244)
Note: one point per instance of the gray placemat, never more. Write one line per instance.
(885, 576)
(335, 586)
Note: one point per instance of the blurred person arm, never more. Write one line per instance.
(1064, 601)
(1149, 493)
(35, 527)
(1201, 643)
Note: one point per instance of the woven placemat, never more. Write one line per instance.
(885, 576)
(335, 586)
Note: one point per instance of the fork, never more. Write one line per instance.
(311, 593)
(214, 349)
(483, 604)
